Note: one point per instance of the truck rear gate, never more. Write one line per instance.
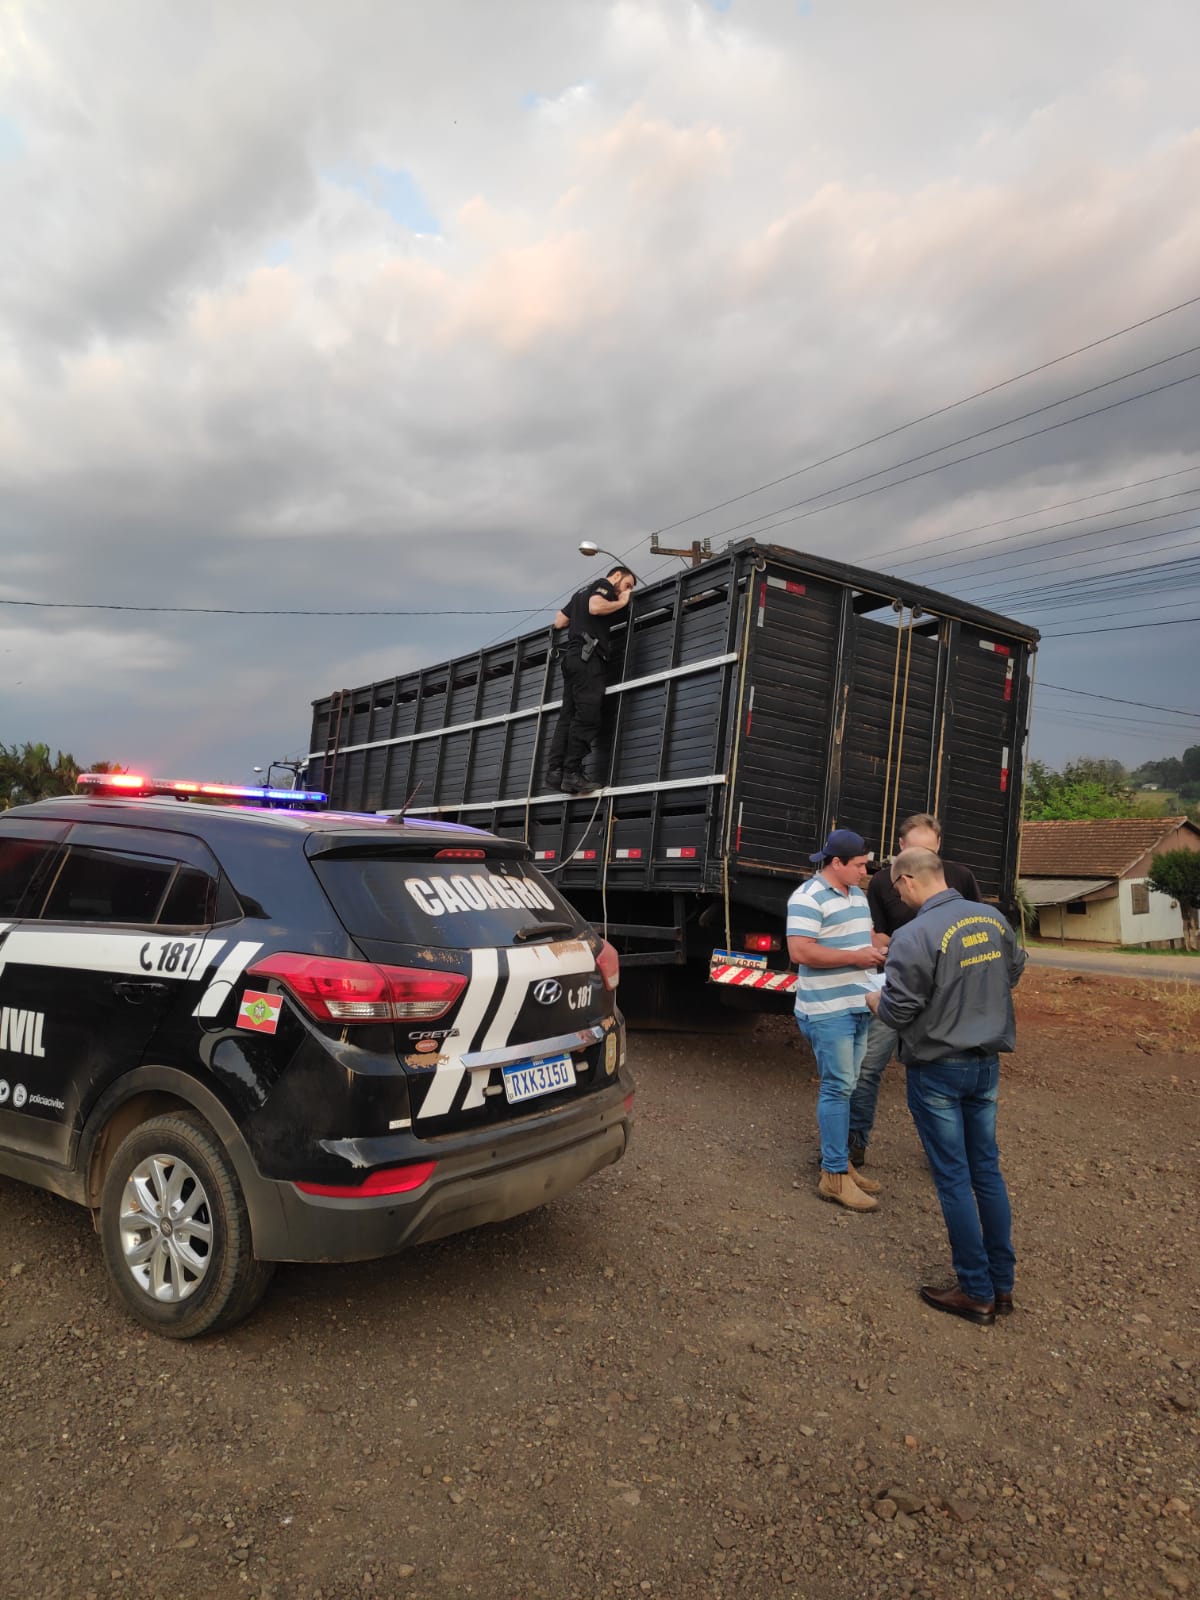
(754, 702)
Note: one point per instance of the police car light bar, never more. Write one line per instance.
(129, 783)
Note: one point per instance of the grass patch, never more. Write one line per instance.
(1179, 1007)
(1144, 950)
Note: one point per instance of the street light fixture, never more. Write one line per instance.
(588, 549)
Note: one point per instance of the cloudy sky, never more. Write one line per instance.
(386, 305)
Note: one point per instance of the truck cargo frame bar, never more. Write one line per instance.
(529, 711)
(759, 700)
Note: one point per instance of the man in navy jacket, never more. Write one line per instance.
(948, 993)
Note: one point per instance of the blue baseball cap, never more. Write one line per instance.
(841, 842)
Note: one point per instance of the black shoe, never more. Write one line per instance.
(959, 1304)
(554, 777)
(576, 783)
(858, 1154)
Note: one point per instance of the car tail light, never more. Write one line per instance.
(360, 991)
(391, 1180)
(760, 942)
(460, 855)
(608, 965)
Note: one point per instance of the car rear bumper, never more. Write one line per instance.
(511, 1170)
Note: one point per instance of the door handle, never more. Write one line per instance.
(135, 990)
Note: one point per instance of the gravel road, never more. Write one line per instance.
(687, 1379)
(1114, 963)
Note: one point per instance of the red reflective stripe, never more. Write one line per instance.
(392, 1180)
(1008, 679)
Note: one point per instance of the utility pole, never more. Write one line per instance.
(698, 551)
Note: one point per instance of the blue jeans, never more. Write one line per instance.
(953, 1103)
(838, 1043)
(881, 1042)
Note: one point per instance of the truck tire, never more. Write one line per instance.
(175, 1231)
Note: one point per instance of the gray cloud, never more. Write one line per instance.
(681, 251)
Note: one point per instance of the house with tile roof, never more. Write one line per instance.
(1088, 879)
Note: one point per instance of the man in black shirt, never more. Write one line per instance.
(889, 912)
(586, 622)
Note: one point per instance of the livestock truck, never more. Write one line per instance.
(755, 701)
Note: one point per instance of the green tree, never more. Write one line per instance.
(1167, 773)
(1177, 873)
(1087, 788)
(28, 773)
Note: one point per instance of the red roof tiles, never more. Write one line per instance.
(1098, 849)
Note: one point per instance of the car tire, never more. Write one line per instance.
(188, 1268)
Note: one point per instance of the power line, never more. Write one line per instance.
(246, 611)
(1091, 694)
(1056, 505)
(1124, 628)
(916, 421)
(1149, 735)
(974, 455)
(1104, 718)
(1054, 584)
(1066, 538)
(1048, 527)
(1101, 616)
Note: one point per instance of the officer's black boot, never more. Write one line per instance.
(574, 782)
(554, 777)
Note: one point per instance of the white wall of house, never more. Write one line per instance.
(1099, 920)
(1161, 921)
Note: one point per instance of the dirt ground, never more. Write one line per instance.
(689, 1378)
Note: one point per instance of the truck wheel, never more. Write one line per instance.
(175, 1230)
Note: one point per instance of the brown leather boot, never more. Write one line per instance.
(959, 1304)
(867, 1185)
(841, 1189)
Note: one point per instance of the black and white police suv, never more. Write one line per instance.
(243, 1035)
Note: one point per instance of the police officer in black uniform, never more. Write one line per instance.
(585, 622)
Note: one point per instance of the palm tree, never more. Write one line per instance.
(28, 773)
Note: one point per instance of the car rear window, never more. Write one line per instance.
(453, 905)
(20, 859)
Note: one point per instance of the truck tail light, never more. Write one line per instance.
(761, 942)
(360, 991)
(608, 965)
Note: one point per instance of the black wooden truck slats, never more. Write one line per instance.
(785, 719)
(891, 728)
(987, 693)
(813, 710)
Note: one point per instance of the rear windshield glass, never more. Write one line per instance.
(455, 905)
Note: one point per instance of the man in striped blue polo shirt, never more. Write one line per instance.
(831, 940)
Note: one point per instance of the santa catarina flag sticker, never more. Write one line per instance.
(259, 1012)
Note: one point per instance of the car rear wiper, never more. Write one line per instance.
(542, 930)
